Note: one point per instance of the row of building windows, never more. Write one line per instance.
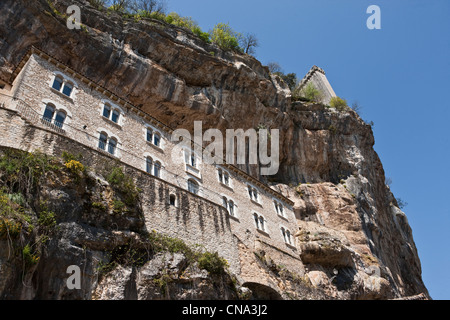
(109, 144)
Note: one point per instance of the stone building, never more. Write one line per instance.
(48, 106)
(316, 76)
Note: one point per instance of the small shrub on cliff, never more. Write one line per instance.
(21, 171)
(213, 263)
(75, 167)
(29, 258)
(308, 93)
(9, 229)
(123, 184)
(338, 103)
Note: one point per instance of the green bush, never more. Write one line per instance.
(124, 184)
(310, 93)
(225, 37)
(118, 206)
(22, 170)
(47, 219)
(338, 103)
(213, 263)
(29, 258)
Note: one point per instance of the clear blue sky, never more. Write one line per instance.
(400, 75)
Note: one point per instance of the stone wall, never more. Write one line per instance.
(317, 77)
(195, 218)
(84, 123)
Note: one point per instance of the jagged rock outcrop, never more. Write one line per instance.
(67, 219)
(350, 226)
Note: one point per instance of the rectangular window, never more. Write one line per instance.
(157, 170)
(193, 160)
(231, 208)
(112, 146)
(156, 140)
(106, 111)
(115, 116)
(57, 83)
(67, 90)
(149, 135)
(102, 142)
(149, 165)
(226, 179)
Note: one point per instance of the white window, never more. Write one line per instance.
(253, 193)
(157, 169)
(224, 177)
(287, 236)
(156, 139)
(51, 115)
(279, 208)
(103, 140)
(111, 113)
(107, 143)
(57, 83)
(260, 222)
(63, 85)
(153, 137)
(229, 205)
(190, 158)
(153, 167)
(149, 165)
(67, 88)
(112, 145)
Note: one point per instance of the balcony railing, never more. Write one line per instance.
(29, 114)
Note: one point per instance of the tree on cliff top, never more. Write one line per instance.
(225, 37)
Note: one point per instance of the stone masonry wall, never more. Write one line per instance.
(194, 220)
(190, 222)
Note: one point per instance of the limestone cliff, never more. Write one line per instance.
(355, 241)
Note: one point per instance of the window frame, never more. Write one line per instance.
(112, 113)
(56, 110)
(260, 223)
(64, 83)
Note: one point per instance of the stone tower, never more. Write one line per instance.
(317, 77)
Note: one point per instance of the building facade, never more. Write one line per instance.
(228, 210)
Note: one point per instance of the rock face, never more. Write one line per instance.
(355, 241)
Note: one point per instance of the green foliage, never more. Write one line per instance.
(118, 206)
(202, 35)
(67, 156)
(187, 23)
(99, 206)
(160, 242)
(213, 263)
(310, 93)
(9, 229)
(47, 219)
(225, 37)
(29, 258)
(20, 171)
(75, 167)
(124, 184)
(338, 103)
